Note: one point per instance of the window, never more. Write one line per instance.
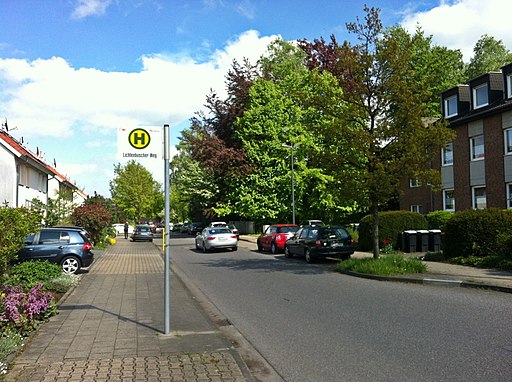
(480, 96)
(508, 141)
(509, 86)
(450, 106)
(479, 199)
(414, 182)
(477, 147)
(509, 195)
(448, 200)
(417, 208)
(447, 154)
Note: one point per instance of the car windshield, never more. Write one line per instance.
(333, 233)
(287, 229)
(219, 230)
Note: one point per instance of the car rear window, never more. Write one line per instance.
(333, 233)
(220, 230)
(143, 229)
(287, 229)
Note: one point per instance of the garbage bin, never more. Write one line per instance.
(409, 241)
(422, 237)
(434, 240)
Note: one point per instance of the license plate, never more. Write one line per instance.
(222, 238)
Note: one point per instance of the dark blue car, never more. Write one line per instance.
(67, 247)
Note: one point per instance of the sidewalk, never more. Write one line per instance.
(442, 274)
(110, 328)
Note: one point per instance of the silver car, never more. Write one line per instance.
(216, 238)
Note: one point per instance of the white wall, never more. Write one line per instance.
(8, 179)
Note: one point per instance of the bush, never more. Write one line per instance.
(15, 225)
(94, 218)
(384, 265)
(30, 273)
(391, 226)
(438, 219)
(478, 233)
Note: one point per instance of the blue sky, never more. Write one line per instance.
(72, 72)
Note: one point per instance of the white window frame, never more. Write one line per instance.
(445, 207)
(414, 183)
(417, 208)
(509, 195)
(446, 161)
(509, 85)
(477, 156)
(476, 90)
(447, 109)
(475, 200)
(507, 137)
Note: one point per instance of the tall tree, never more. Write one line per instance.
(136, 192)
(489, 55)
(385, 118)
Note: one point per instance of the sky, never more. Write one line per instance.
(75, 72)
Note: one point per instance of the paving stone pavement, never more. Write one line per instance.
(110, 328)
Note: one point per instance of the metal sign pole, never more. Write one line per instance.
(167, 235)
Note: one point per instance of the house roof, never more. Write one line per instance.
(23, 153)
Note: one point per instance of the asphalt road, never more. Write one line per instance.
(312, 324)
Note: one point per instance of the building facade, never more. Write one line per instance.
(476, 168)
(25, 177)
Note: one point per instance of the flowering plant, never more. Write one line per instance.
(388, 246)
(24, 311)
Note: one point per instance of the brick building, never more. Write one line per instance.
(476, 169)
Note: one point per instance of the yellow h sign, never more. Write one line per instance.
(139, 139)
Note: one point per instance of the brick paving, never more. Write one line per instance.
(110, 328)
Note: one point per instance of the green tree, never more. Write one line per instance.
(489, 55)
(386, 113)
(135, 192)
(15, 225)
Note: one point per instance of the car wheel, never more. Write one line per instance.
(287, 252)
(234, 248)
(197, 245)
(273, 248)
(70, 265)
(204, 248)
(309, 258)
(260, 248)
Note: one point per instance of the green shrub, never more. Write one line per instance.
(384, 265)
(30, 273)
(62, 283)
(478, 233)
(438, 219)
(391, 226)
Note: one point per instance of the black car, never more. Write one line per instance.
(68, 247)
(194, 228)
(315, 242)
(142, 232)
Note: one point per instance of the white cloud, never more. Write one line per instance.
(87, 8)
(460, 24)
(48, 98)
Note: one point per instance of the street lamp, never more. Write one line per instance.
(292, 149)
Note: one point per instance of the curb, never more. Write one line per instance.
(427, 281)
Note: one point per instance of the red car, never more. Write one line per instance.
(274, 237)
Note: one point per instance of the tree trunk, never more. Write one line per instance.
(375, 216)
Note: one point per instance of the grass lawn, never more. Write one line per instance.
(385, 265)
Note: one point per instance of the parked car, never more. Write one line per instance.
(313, 223)
(184, 228)
(315, 242)
(274, 237)
(218, 224)
(120, 228)
(142, 232)
(177, 227)
(194, 228)
(68, 247)
(234, 230)
(216, 238)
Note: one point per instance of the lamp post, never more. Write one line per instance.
(292, 149)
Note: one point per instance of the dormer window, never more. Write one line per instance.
(450, 106)
(480, 96)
